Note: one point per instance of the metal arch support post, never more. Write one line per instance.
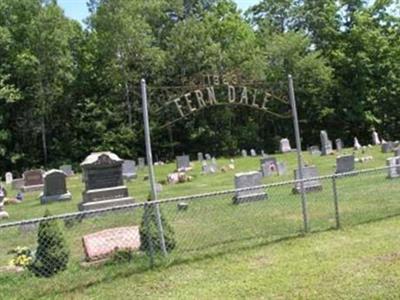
(150, 164)
(298, 150)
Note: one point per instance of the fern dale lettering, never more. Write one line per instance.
(220, 95)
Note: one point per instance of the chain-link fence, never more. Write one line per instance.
(196, 226)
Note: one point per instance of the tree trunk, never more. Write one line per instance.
(44, 142)
(128, 104)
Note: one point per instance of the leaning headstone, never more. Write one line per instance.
(326, 144)
(309, 185)
(285, 146)
(375, 138)
(9, 178)
(33, 181)
(244, 153)
(281, 168)
(248, 180)
(200, 156)
(339, 144)
(141, 162)
(357, 145)
(314, 150)
(208, 156)
(129, 169)
(55, 187)
(17, 184)
(253, 152)
(345, 164)
(67, 169)
(393, 164)
(104, 184)
(387, 147)
(182, 163)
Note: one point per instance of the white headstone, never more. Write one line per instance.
(9, 178)
(375, 138)
(285, 146)
(357, 145)
(253, 152)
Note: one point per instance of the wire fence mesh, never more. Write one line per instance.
(194, 226)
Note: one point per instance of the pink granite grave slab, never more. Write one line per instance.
(103, 243)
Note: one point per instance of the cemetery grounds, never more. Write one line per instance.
(256, 250)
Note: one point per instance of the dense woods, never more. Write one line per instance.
(68, 89)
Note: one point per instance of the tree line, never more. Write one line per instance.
(68, 89)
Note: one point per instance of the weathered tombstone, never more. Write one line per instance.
(326, 144)
(9, 178)
(182, 163)
(244, 153)
(268, 159)
(281, 168)
(397, 151)
(339, 144)
(208, 156)
(394, 167)
(67, 169)
(387, 147)
(263, 153)
(17, 184)
(248, 180)
(253, 152)
(284, 146)
(357, 145)
(314, 150)
(344, 164)
(33, 181)
(55, 187)
(268, 168)
(375, 138)
(309, 185)
(129, 169)
(141, 162)
(102, 244)
(104, 186)
(208, 168)
(200, 156)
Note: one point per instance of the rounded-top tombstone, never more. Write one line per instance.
(55, 187)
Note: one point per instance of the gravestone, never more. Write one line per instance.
(394, 167)
(268, 159)
(397, 152)
(200, 157)
(387, 147)
(375, 138)
(141, 162)
(159, 187)
(55, 187)
(253, 153)
(345, 164)
(284, 146)
(244, 153)
(263, 153)
(357, 145)
(9, 178)
(102, 244)
(17, 184)
(33, 181)
(248, 180)
(268, 168)
(129, 169)
(208, 168)
(182, 163)
(67, 169)
(281, 168)
(339, 144)
(208, 156)
(326, 144)
(310, 185)
(104, 186)
(314, 150)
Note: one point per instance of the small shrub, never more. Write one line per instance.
(52, 254)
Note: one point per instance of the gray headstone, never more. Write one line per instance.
(129, 169)
(268, 159)
(9, 177)
(67, 169)
(326, 144)
(311, 185)
(17, 184)
(248, 180)
(200, 156)
(397, 152)
(33, 180)
(244, 153)
(339, 145)
(182, 162)
(284, 146)
(268, 168)
(345, 164)
(314, 150)
(55, 187)
(209, 168)
(208, 156)
(387, 147)
(263, 153)
(159, 187)
(141, 162)
(281, 168)
(394, 167)
(104, 185)
(253, 152)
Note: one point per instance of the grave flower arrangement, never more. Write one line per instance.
(23, 257)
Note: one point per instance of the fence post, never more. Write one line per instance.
(336, 201)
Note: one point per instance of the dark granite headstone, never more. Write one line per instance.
(55, 187)
(182, 162)
(33, 180)
(310, 185)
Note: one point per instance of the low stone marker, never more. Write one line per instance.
(183, 163)
(284, 146)
(182, 206)
(248, 180)
(67, 169)
(339, 144)
(17, 184)
(394, 167)
(104, 243)
(129, 169)
(55, 187)
(33, 181)
(310, 185)
(314, 150)
(345, 164)
(9, 177)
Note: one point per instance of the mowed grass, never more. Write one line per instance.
(214, 232)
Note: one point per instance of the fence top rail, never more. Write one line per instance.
(143, 204)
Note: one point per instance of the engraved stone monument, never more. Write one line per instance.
(244, 153)
(129, 169)
(33, 181)
(253, 152)
(284, 146)
(344, 164)
(248, 180)
(326, 144)
(339, 144)
(9, 178)
(55, 187)
(183, 163)
(394, 167)
(309, 185)
(200, 156)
